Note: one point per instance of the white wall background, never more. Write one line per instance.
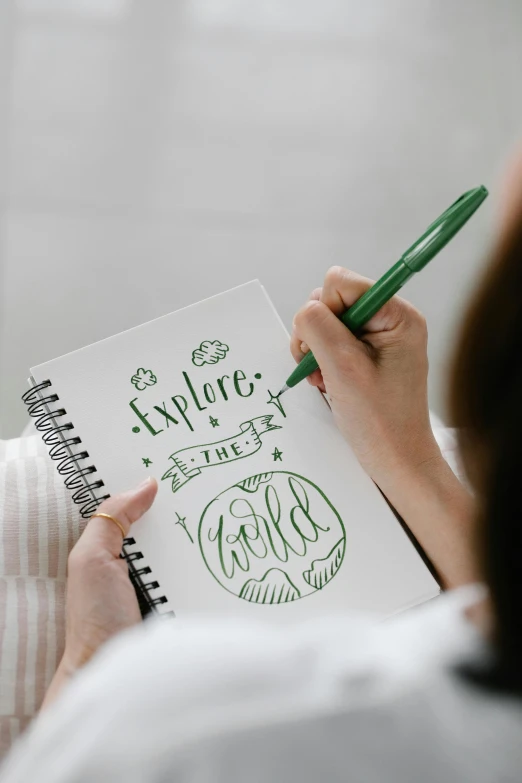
(164, 150)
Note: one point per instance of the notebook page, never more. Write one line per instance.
(262, 508)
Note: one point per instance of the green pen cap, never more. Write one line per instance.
(443, 229)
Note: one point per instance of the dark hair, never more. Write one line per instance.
(486, 406)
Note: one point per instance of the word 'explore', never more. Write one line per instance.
(179, 409)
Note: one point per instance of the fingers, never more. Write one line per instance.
(127, 508)
(396, 326)
(334, 278)
(298, 348)
(329, 339)
(342, 288)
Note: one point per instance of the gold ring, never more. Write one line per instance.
(108, 516)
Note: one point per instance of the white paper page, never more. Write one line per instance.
(261, 510)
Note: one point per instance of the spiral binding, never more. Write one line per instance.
(63, 448)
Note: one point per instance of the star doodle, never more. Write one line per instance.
(146, 461)
(277, 455)
(214, 422)
(181, 521)
(274, 399)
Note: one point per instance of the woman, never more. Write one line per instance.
(434, 695)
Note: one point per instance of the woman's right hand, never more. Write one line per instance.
(377, 383)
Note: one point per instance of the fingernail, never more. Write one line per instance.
(143, 484)
(304, 348)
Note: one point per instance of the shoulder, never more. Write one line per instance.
(185, 694)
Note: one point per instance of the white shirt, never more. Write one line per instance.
(338, 699)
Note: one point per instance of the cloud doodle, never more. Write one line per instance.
(209, 353)
(143, 378)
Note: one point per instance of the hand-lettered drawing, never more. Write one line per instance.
(190, 461)
(273, 588)
(143, 378)
(275, 399)
(146, 461)
(325, 568)
(277, 455)
(272, 538)
(181, 521)
(209, 353)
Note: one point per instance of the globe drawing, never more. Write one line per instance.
(272, 538)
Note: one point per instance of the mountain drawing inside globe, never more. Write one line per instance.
(273, 588)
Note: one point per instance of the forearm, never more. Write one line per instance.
(439, 511)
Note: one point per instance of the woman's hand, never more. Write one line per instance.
(101, 600)
(377, 386)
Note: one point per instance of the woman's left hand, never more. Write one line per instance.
(101, 600)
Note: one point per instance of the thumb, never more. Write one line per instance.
(126, 508)
(331, 342)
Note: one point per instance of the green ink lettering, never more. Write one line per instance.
(210, 394)
(235, 448)
(239, 375)
(251, 513)
(249, 437)
(233, 554)
(303, 505)
(163, 411)
(143, 418)
(193, 393)
(221, 385)
(182, 407)
(244, 540)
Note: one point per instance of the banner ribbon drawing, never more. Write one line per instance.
(190, 462)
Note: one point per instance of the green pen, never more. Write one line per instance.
(413, 260)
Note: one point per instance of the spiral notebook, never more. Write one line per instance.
(262, 508)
